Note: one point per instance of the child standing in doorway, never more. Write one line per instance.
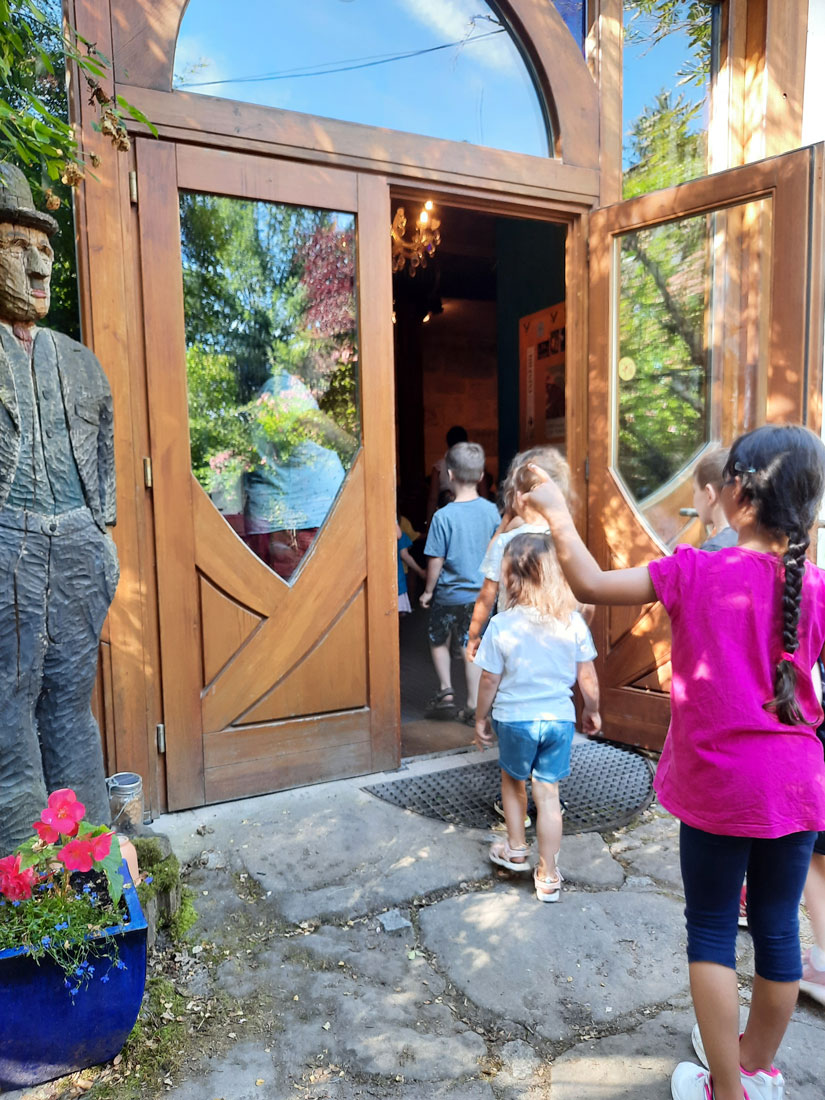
(742, 767)
(458, 536)
(707, 499)
(530, 656)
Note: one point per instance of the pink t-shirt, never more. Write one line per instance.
(728, 765)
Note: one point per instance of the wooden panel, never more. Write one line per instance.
(145, 33)
(333, 570)
(286, 754)
(225, 626)
(634, 648)
(331, 676)
(111, 326)
(265, 179)
(169, 415)
(608, 66)
(378, 410)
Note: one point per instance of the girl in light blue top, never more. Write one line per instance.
(531, 655)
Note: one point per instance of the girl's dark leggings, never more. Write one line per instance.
(713, 870)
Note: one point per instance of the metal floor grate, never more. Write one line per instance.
(606, 788)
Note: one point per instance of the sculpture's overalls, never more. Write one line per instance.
(58, 564)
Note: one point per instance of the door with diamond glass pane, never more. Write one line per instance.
(269, 359)
(705, 321)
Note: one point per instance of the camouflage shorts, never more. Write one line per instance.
(449, 619)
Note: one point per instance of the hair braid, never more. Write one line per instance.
(784, 702)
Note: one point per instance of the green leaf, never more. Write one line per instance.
(111, 868)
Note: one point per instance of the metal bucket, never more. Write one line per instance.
(125, 801)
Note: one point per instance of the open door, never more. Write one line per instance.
(267, 301)
(705, 321)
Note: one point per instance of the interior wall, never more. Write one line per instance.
(458, 353)
(530, 277)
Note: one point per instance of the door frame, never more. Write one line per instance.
(794, 182)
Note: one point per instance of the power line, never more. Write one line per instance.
(349, 66)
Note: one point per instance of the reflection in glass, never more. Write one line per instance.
(670, 52)
(692, 316)
(274, 424)
(574, 13)
(446, 69)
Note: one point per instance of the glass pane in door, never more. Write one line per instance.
(272, 366)
(691, 312)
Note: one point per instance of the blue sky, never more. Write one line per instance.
(478, 92)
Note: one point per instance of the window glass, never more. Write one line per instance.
(692, 317)
(271, 361)
(448, 69)
(574, 12)
(669, 57)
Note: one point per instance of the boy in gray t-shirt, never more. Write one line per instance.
(457, 540)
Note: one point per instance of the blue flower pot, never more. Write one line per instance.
(44, 1033)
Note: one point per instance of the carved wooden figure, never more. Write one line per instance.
(58, 563)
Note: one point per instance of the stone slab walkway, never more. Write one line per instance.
(358, 950)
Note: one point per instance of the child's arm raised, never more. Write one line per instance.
(590, 583)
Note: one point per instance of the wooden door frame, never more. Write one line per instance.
(794, 182)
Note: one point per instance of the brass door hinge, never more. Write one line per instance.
(133, 191)
(160, 733)
(147, 472)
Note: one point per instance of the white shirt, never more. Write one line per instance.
(537, 662)
(491, 565)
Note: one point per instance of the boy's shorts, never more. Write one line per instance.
(540, 748)
(450, 618)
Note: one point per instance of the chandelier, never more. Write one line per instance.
(413, 253)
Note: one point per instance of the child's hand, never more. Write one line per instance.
(545, 496)
(484, 735)
(472, 648)
(425, 599)
(591, 722)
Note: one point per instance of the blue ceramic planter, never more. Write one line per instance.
(43, 1034)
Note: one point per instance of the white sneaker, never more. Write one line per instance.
(761, 1085)
(500, 811)
(690, 1082)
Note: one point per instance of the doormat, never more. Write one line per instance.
(606, 788)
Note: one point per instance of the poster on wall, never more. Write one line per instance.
(541, 377)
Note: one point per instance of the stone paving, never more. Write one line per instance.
(360, 950)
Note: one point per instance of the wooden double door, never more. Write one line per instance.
(269, 681)
(707, 295)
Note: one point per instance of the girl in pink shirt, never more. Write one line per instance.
(741, 767)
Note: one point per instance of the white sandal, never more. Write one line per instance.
(548, 889)
(502, 854)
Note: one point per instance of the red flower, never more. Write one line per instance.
(47, 833)
(15, 884)
(64, 812)
(101, 846)
(77, 855)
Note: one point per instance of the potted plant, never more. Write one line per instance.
(72, 948)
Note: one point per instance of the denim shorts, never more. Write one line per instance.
(540, 748)
(450, 618)
(713, 870)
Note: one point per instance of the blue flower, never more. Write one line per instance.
(148, 879)
(15, 904)
(62, 926)
(104, 977)
(46, 941)
(120, 964)
(87, 888)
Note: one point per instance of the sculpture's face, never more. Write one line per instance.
(25, 272)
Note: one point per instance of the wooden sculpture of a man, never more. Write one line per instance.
(58, 563)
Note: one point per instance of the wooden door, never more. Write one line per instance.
(705, 321)
(268, 680)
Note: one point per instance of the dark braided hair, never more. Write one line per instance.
(781, 470)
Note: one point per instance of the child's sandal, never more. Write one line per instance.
(503, 855)
(548, 889)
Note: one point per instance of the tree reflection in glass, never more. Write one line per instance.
(269, 293)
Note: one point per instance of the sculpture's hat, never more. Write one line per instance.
(16, 203)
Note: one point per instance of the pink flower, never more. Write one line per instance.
(101, 846)
(64, 812)
(47, 833)
(77, 855)
(15, 884)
